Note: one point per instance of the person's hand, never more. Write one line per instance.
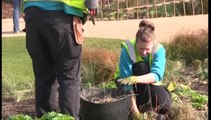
(92, 12)
(92, 6)
(129, 81)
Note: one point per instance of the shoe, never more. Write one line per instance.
(24, 30)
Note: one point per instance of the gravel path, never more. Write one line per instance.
(165, 28)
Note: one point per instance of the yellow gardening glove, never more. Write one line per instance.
(171, 87)
(137, 116)
(129, 81)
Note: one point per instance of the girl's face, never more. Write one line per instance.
(144, 48)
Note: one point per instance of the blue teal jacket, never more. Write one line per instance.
(45, 5)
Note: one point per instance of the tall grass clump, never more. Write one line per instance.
(17, 75)
(188, 46)
(98, 65)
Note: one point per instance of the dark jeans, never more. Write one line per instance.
(148, 96)
(56, 58)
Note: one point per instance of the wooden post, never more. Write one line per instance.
(193, 7)
(165, 8)
(184, 8)
(202, 7)
(126, 4)
(101, 9)
(136, 9)
(118, 9)
(156, 12)
(174, 9)
(109, 8)
(147, 1)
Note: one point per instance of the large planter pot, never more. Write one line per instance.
(104, 104)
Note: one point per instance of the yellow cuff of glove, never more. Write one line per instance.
(137, 116)
(130, 80)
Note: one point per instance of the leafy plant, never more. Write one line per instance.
(55, 116)
(197, 100)
(110, 84)
(19, 117)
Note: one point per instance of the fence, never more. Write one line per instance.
(136, 9)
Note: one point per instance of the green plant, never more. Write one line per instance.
(19, 117)
(55, 116)
(109, 85)
(17, 75)
(197, 99)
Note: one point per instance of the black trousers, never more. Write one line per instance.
(56, 58)
(150, 97)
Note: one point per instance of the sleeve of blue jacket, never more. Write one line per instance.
(158, 64)
(125, 67)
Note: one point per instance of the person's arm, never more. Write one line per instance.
(156, 73)
(125, 64)
(157, 69)
(145, 79)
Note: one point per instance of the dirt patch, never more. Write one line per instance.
(26, 107)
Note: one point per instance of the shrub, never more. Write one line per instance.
(188, 46)
(98, 65)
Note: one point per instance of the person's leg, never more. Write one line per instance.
(68, 70)
(57, 31)
(143, 97)
(42, 59)
(161, 99)
(16, 15)
(153, 98)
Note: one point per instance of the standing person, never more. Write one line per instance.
(141, 70)
(54, 42)
(16, 15)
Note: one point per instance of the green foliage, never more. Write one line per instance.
(19, 117)
(17, 75)
(198, 6)
(48, 116)
(201, 69)
(172, 68)
(109, 85)
(197, 99)
(55, 116)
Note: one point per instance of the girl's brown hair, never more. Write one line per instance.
(146, 31)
